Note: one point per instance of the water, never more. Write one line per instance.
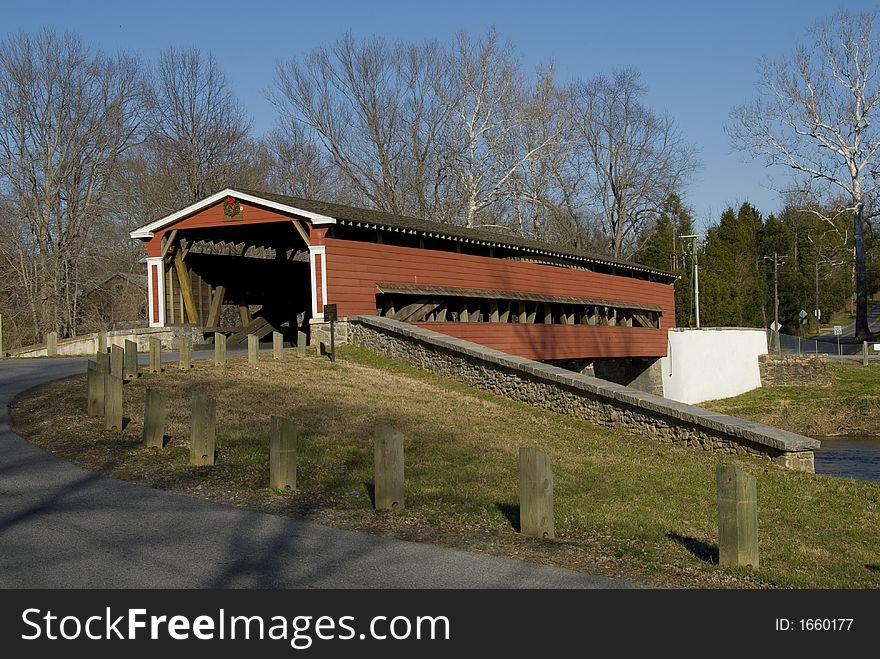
(852, 457)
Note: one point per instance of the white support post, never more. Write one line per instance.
(318, 268)
(156, 291)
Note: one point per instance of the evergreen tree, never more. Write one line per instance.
(732, 291)
(665, 250)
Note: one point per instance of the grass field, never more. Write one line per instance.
(625, 505)
(850, 406)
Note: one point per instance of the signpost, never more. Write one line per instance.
(330, 316)
(838, 332)
(775, 327)
(803, 317)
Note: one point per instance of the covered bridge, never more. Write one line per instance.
(280, 259)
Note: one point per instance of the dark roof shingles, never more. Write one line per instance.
(355, 214)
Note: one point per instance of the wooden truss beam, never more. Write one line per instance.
(183, 278)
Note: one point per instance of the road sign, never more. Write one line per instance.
(775, 326)
(817, 313)
(838, 330)
(803, 316)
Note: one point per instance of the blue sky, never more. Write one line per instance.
(698, 58)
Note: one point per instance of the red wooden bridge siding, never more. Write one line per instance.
(354, 269)
(214, 216)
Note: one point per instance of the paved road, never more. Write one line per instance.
(65, 527)
(849, 331)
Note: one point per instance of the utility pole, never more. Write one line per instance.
(777, 261)
(693, 237)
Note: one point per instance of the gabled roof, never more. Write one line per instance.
(147, 231)
(324, 213)
(137, 280)
(354, 216)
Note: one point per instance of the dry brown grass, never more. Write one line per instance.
(625, 505)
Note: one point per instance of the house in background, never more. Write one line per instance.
(118, 302)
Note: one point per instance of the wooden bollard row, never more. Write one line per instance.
(736, 489)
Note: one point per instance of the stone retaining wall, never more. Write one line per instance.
(794, 371)
(580, 395)
(87, 344)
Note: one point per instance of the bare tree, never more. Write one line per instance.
(815, 115)
(636, 157)
(66, 116)
(488, 139)
(199, 135)
(544, 188)
(374, 108)
(299, 166)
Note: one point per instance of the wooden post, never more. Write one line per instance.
(388, 469)
(253, 350)
(112, 402)
(103, 359)
(184, 350)
(183, 279)
(102, 341)
(219, 349)
(282, 454)
(132, 370)
(277, 344)
(155, 355)
(154, 419)
(95, 376)
(300, 344)
(117, 360)
(864, 353)
(216, 307)
(204, 430)
(52, 344)
(535, 494)
(737, 517)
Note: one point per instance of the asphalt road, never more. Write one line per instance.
(849, 331)
(64, 527)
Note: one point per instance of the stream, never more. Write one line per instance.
(850, 457)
